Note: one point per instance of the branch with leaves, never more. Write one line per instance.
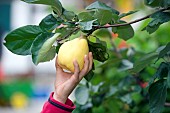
(38, 40)
(132, 22)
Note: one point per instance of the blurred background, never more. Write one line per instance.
(25, 87)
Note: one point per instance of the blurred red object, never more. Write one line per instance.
(143, 84)
(123, 44)
(1, 73)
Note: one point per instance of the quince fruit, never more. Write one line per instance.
(72, 50)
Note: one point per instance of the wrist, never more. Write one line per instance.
(60, 98)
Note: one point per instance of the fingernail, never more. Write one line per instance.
(91, 53)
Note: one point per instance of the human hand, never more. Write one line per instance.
(66, 82)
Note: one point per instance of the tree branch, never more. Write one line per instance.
(132, 22)
(115, 25)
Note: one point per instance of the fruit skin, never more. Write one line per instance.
(72, 50)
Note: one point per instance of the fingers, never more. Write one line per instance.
(85, 69)
(90, 61)
(75, 76)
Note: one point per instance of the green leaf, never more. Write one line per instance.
(103, 16)
(89, 75)
(162, 71)
(55, 4)
(100, 5)
(143, 62)
(151, 29)
(157, 19)
(164, 51)
(42, 48)
(86, 25)
(20, 40)
(86, 16)
(99, 50)
(69, 15)
(127, 14)
(49, 23)
(81, 95)
(124, 32)
(157, 96)
(102, 33)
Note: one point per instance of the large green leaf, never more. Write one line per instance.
(42, 48)
(103, 16)
(20, 40)
(157, 19)
(124, 32)
(69, 15)
(99, 50)
(143, 62)
(49, 23)
(55, 4)
(160, 17)
(86, 16)
(157, 96)
(100, 5)
(81, 95)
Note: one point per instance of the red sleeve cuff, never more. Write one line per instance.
(68, 105)
(54, 106)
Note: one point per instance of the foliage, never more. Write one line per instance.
(125, 76)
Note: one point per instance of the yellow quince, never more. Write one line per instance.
(72, 50)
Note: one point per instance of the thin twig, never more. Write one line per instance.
(132, 22)
(76, 29)
(115, 25)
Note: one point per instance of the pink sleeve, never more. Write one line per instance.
(53, 106)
